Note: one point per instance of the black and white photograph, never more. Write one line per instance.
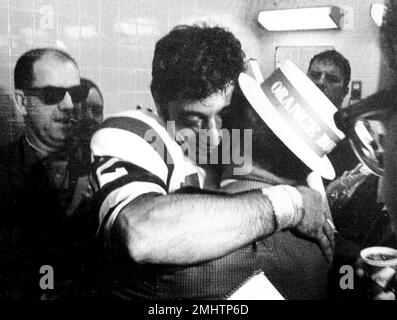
(194, 156)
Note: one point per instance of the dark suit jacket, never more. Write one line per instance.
(33, 230)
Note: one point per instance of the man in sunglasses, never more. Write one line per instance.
(48, 98)
(39, 173)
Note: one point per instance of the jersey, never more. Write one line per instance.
(132, 155)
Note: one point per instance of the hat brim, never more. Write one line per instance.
(268, 113)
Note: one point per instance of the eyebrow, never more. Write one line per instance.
(311, 71)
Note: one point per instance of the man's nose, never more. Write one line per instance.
(215, 130)
(321, 80)
(215, 123)
(66, 103)
(321, 83)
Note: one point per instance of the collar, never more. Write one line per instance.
(44, 153)
(41, 153)
(256, 174)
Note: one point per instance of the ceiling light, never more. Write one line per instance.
(378, 10)
(301, 19)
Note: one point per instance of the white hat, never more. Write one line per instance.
(299, 114)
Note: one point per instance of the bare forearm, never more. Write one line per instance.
(183, 229)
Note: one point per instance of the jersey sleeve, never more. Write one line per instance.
(132, 156)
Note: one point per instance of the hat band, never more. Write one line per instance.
(299, 115)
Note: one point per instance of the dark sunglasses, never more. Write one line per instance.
(53, 95)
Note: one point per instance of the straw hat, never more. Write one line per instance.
(299, 114)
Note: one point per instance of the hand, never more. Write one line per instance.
(314, 223)
(342, 189)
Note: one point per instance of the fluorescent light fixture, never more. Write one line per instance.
(301, 19)
(378, 10)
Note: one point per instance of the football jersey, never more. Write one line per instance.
(133, 155)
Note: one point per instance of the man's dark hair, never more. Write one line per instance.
(268, 149)
(89, 84)
(389, 35)
(23, 72)
(338, 59)
(193, 62)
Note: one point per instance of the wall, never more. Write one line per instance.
(113, 41)
(358, 40)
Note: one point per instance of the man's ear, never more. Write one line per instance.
(20, 102)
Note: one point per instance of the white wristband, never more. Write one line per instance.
(287, 203)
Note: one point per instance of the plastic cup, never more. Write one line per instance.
(380, 264)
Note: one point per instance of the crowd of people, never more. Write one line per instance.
(148, 205)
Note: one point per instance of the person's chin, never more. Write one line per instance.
(59, 140)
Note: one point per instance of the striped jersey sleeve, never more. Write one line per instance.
(133, 155)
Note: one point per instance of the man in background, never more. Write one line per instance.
(357, 208)
(92, 107)
(39, 173)
(91, 118)
(331, 72)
